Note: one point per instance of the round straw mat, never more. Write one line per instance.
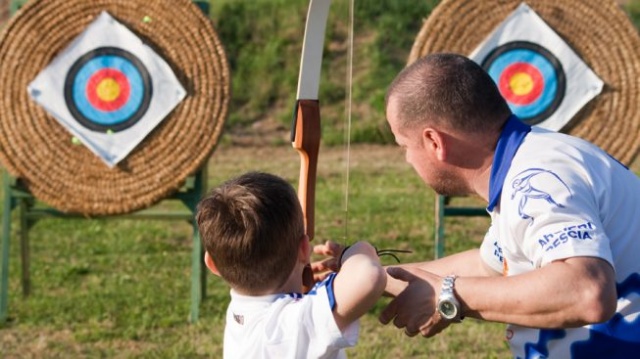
(35, 148)
(598, 31)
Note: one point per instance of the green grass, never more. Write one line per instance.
(121, 288)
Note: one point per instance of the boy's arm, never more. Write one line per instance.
(359, 283)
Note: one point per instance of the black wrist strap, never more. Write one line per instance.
(379, 252)
(391, 252)
(342, 255)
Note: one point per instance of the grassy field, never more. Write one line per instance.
(120, 288)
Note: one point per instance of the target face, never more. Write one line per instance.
(542, 79)
(108, 89)
(529, 77)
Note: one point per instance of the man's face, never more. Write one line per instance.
(410, 140)
(421, 152)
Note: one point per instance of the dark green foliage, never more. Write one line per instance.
(263, 41)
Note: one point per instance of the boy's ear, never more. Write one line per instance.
(208, 261)
(304, 250)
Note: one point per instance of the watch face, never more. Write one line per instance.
(448, 309)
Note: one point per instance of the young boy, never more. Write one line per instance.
(252, 228)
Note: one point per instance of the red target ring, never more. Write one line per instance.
(521, 83)
(108, 89)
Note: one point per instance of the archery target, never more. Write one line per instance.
(529, 77)
(542, 79)
(108, 89)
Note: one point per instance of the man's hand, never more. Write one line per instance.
(414, 308)
(394, 286)
(331, 251)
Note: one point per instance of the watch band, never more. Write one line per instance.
(448, 283)
(448, 305)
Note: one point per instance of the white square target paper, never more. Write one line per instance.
(543, 80)
(108, 89)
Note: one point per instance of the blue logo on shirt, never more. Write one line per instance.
(583, 231)
(497, 251)
(529, 185)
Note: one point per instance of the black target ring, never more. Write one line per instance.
(121, 70)
(545, 79)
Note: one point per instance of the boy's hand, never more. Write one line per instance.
(331, 251)
(329, 248)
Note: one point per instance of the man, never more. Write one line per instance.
(559, 261)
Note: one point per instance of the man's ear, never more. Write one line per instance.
(208, 261)
(435, 141)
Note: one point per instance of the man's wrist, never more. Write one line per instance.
(448, 305)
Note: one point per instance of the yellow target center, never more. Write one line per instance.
(108, 89)
(521, 83)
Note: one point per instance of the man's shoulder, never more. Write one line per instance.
(557, 144)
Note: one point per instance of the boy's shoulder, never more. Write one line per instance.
(324, 287)
(289, 306)
(275, 320)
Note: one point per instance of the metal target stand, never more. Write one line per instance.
(30, 211)
(444, 209)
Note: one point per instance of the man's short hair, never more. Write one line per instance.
(450, 90)
(252, 226)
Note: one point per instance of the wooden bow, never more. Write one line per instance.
(305, 130)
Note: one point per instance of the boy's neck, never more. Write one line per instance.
(292, 285)
(294, 282)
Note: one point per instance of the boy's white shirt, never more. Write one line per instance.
(286, 326)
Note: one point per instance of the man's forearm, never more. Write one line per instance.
(569, 293)
(463, 264)
(466, 263)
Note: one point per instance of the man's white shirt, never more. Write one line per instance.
(563, 197)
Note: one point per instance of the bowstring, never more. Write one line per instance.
(347, 134)
(348, 102)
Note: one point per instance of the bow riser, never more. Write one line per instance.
(306, 140)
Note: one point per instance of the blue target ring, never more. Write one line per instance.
(543, 76)
(124, 87)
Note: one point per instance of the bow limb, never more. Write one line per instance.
(305, 131)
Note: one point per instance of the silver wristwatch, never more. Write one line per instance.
(448, 305)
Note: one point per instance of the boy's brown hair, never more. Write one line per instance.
(252, 226)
